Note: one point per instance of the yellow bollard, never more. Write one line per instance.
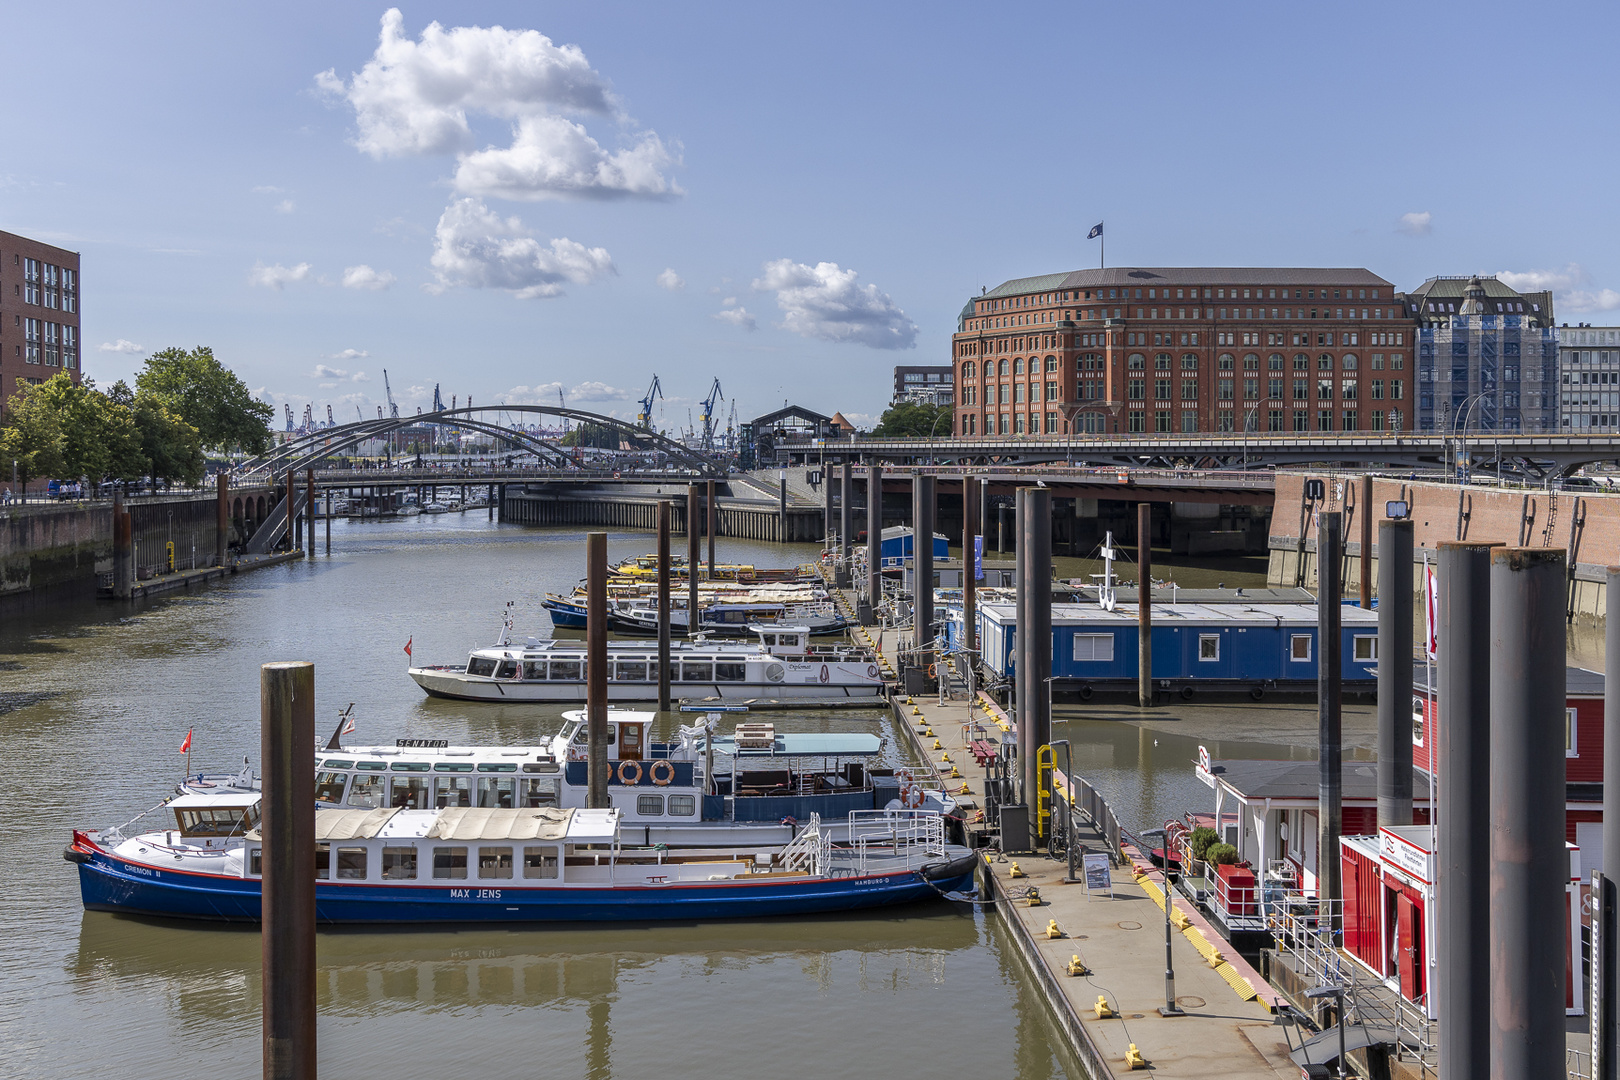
(964, 789)
(1052, 929)
(1134, 1058)
(1032, 897)
(1179, 918)
(908, 701)
(1077, 967)
(938, 745)
(945, 758)
(1104, 1010)
(956, 775)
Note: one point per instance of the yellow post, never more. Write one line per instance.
(170, 547)
(1045, 762)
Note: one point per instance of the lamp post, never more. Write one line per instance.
(1336, 992)
(1470, 405)
(932, 455)
(1169, 1008)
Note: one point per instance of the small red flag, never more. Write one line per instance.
(348, 729)
(408, 644)
(185, 745)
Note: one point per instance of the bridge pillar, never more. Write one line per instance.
(1195, 530)
(222, 516)
(874, 544)
(309, 516)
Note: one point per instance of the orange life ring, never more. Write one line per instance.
(669, 772)
(931, 668)
(911, 796)
(624, 770)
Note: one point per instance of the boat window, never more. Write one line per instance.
(334, 763)
(217, 821)
(540, 766)
(351, 863)
(534, 669)
(682, 805)
(452, 791)
(323, 861)
(480, 665)
(256, 861)
(453, 766)
(495, 793)
(583, 736)
(1366, 648)
(630, 671)
(1209, 647)
(566, 669)
(539, 862)
(366, 791)
(372, 766)
(650, 805)
(495, 862)
(1094, 647)
(1299, 648)
(411, 766)
(409, 793)
(399, 863)
(329, 786)
(497, 766)
(769, 639)
(728, 672)
(537, 792)
(697, 672)
(450, 862)
(507, 670)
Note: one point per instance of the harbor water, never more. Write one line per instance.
(94, 703)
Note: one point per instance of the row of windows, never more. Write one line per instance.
(1189, 362)
(1099, 648)
(50, 344)
(49, 285)
(1136, 421)
(1088, 314)
(1042, 299)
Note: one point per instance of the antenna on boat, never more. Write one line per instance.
(1105, 592)
(506, 626)
(343, 726)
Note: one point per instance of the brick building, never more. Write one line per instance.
(1589, 379)
(39, 313)
(1487, 356)
(1184, 349)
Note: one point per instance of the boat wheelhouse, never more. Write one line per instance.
(466, 865)
(781, 663)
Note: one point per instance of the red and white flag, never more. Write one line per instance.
(1431, 612)
(408, 644)
(348, 729)
(185, 744)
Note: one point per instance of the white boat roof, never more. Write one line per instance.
(483, 823)
(574, 826)
(1166, 613)
(223, 800)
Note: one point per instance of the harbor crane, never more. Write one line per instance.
(709, 418)
(393, 410)
(655, 390)
(288, 407)
(438, 402)
(330, 422)
(563, 403)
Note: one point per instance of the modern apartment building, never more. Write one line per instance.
(39, 313)
(929, 383)
(1487, 356)
(1589, 379)
(1185, 349)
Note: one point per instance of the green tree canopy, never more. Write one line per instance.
(31, 437)
(913, 420)
(202, 392)
(173, 448)
(99, 436)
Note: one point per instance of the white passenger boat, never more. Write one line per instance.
(780, 663)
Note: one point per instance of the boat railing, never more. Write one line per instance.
(887, 834)
(809, 850)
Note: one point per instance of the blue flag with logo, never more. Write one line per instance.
(978, 558)
(1096, 231)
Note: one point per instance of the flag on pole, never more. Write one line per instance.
(1431, 612)
(348, 729)
(408, 644)
(185, 745)
(1096, 231)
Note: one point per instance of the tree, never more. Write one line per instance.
(31, 436)
(913, 420)
(172, 447)
(99, 435)
(207, 395)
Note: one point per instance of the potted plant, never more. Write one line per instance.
(1199, 842)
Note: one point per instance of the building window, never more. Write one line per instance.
(1051, 391)
(1302, 362)
(1301, 421)
(1225, 422)
(1209, 647)
(1364, 647)
(1347, 389)
(1378, 421)
(1018, 423)
(1251, 389)
(1051, 423)
(31, 339)
(1094, 647)
(1570, 744)
(1223, 389)
(1378, 389)
(1161, 389)
(1161, 421)
(1274, 421)
(1350, 423)
(1189, 362)
(1225, 362)
(1299, 648)
(70, 291)
(968, 370)
(1134, 423)
(1189, 390)
(1324, 420)
(1189, 422)
(30, 281)
(1134, 389)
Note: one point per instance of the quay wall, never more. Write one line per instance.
(745, 519)
(1585, 525)
(51, 553)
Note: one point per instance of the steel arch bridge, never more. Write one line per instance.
(306, 451)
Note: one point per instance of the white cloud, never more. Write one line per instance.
(269, 189)
(670, 280)
(1569, 287)
(364, 277)
(414, 98)
(823, 302)
(546, 393)
(323, 372)
(864, 421)
(736, 315)
(128, 348)
(1416, 223)
(360, 376)
(275, 276)
(285, 206)
(477, 248)
(350, 354)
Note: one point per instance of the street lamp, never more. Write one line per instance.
(1336, 992)
(1471, 404)
(1169, 1008)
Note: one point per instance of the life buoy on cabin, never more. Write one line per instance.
(630, 772)
(911, 796)
(931, 669)
(662, 779)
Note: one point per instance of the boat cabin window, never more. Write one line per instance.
(497, 792)
(495, 862)
(582, 736)
(630, 671)
(1366, 648)
(334, 763)
(768, 639)
(366, 791)
(1094, 647)
(453, 766)
(452, 791)
(682, 805)
(217, 820)
(256, 861)
(539, 862)
(409, 793)
(730, 672)
(481, 665)
(538, 792)
(540, 766)
(411, 766)
(566, 669)
(399, 863)
(1299, 648)
(650, 805)
(329, 786)
(450, 862)
(372, 766)
(701, 671)
(323, 861)
(534, 669)
(351, 863)
(507, 670)
(1209, 647)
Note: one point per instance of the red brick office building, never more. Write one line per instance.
(39, 313)
(1184, 349)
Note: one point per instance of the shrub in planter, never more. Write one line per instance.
(1222, 854)
(1200, 841)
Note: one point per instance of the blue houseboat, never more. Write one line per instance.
(1196, 646)
(897, 547)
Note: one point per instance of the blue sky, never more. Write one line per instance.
(495, 211)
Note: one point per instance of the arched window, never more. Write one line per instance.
(1136, 361)
(1302, 362)
(1275, 361)
(1051, 363)
(1018, 365)
(1161, 362)
(967, 370)
(1189, 361)
(1324, 362)
(1349, 361)
(1225, 361)
(1251, 362)
(1004, 367)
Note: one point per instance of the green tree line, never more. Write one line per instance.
(184, 405)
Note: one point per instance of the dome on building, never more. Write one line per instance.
(1473, 298)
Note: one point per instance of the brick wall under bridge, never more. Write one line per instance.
(1584, 524)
